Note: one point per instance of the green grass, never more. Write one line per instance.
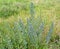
(11, 7)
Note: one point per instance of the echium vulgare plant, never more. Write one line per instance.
(24, 36)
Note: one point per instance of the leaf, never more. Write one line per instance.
(50, 33)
